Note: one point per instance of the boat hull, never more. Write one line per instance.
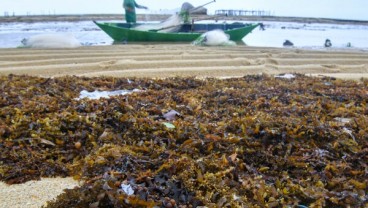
(121, 32)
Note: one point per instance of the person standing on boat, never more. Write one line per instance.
(129, 6)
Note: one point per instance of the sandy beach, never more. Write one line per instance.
(33, 193)
(170, 60)
(164, 60)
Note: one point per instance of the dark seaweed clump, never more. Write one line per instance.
(256, 141)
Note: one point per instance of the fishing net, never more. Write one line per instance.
(172, 24)
(52, 40)
(214, 38)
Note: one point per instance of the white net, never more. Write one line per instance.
(172, 24)
(214, 38)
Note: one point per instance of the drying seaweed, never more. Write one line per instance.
(255, 141)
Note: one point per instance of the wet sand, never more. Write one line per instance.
(158, 61)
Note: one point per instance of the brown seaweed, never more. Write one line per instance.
(255, 141)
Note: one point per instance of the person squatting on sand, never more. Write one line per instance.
(129, 6)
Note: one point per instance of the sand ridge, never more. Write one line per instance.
(168, 60)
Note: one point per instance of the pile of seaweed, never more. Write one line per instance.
(255, 141)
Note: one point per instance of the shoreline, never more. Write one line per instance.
(161, 17)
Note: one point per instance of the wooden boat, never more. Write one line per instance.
(121, 32)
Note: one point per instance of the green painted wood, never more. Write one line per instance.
(122, 32)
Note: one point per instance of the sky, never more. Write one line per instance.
(339, 9)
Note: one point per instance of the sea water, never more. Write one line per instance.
(302, 35)
(310, 35)
(11, 34)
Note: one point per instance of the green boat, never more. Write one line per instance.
(125, 32)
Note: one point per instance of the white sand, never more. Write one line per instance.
(33, 194)
(166, 60)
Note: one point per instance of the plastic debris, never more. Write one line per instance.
(171, 115)
(104, 94)
(127, 188)
(285, 76)
(169, 125)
